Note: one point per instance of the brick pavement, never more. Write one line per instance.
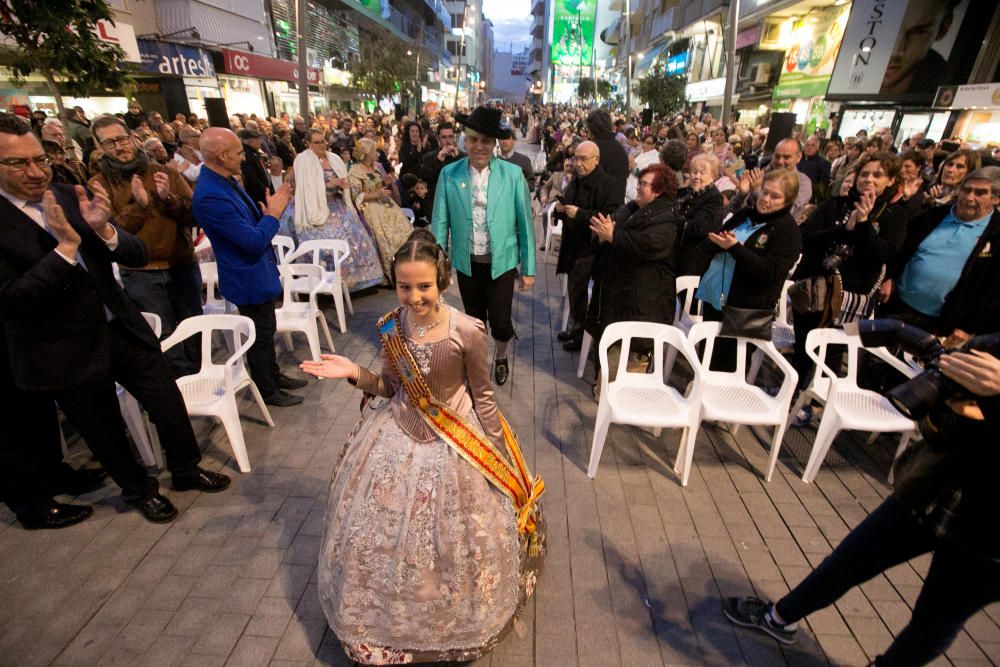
(636, 568)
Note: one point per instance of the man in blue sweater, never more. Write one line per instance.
(241, 230)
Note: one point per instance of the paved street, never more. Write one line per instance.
(636, 569)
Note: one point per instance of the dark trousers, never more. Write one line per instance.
(94, 411)
(576, 290)
(30, 451)
(261, 358)
(489, 299)
(958, 583)
(900, 310)
(174, 294)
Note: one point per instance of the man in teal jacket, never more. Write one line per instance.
(483, 203)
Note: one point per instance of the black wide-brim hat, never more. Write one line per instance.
(483, 120)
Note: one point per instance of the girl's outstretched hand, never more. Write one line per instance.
(331, 366)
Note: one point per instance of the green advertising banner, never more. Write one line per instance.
(372, 8)
(573, 32)
(813, 45)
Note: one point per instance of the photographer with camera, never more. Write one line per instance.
(945, 276)
(944, 502)
(846, 244)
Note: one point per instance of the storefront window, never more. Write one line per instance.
(871, 120)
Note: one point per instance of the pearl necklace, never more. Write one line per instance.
(422, 329)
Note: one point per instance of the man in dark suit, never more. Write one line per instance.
(72, 332)
(32, 470)
(432, 163)
(256, 180)
(508, 153)
(241, 239)
(590, 192)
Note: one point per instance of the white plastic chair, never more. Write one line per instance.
(215, 304)
(847, 405)
(136, 420)
(283, 245)
(587, 338)
(564, 299)
(782, 334)
(644, 399)
(553, 229)
(330, 282)
(211, 392)
(728, 397)
(204, 245)
(303, 317)
(410, 215)
(687, 312)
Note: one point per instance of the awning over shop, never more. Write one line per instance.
(647, 60)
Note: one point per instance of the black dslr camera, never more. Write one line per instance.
(916, 397)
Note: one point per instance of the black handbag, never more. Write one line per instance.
(747, 322)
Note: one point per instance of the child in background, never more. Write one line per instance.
(419, 204)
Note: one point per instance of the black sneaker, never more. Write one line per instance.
(501, 371)
(751, 612)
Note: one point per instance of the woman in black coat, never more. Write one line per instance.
(701, 209)
(635, 266)
(412, 150)
(860, 233)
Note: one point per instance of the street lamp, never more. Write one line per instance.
(416, 92)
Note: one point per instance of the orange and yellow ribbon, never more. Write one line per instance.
(507, 473)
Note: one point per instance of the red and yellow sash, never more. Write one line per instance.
(507, 473)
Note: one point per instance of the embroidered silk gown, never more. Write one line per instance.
(421, 560)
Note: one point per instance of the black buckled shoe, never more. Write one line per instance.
(53, 515)
(77, 482)
(201, 480)
(286, 382)
(156, 508)
(565, 336)
(574, 345)
(501, 371)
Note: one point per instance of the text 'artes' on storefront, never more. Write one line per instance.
(255, 84)
(175, 78)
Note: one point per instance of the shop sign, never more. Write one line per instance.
(262, 67)
(121, 35)
(175, 59)
(336, 77)
(702, 91)
(903, 50)
(10, 97)
(238, 85)
(974, 96)
(810, 56)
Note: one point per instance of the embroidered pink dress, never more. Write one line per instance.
(421, 560)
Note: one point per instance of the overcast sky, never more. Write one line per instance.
(511, 22)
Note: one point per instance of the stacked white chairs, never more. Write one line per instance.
(303, 317)
(728, 397)
(553, 228)
(847, 405)
(328, 282)
(211, 392)
(136, 420)
(644, 399)
(283, 245)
